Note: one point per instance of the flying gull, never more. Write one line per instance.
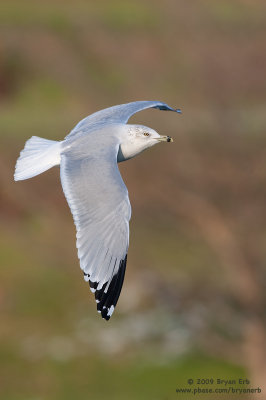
(94, 189)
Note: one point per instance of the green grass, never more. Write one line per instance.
(34, 15)
(90, 377)
(123, 16)
(235, 15)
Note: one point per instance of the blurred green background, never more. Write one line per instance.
(193, 301)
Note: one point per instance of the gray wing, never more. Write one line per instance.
(117, 114)
(98, 199)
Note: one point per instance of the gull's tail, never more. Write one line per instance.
(37, 156)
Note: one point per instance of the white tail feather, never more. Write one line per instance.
(37, 156)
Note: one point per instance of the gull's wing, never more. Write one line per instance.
(98, 199)
(117, 114)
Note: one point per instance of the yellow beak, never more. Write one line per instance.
(165, 139)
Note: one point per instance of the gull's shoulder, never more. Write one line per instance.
(99, 139)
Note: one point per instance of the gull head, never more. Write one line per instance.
(136, 139)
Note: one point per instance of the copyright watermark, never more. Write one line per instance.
(217, 386)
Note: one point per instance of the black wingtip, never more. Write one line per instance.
(106, 301)
(165, 107)
(105, 315)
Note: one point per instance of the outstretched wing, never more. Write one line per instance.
(98, 199)
(117, 114)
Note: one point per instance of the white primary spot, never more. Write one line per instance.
(110, 312)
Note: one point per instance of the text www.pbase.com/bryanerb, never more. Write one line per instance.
(228, 390)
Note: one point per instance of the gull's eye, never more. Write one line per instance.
(146, 134)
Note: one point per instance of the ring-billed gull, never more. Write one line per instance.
(94, 189)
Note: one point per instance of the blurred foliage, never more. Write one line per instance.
(193, 301)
